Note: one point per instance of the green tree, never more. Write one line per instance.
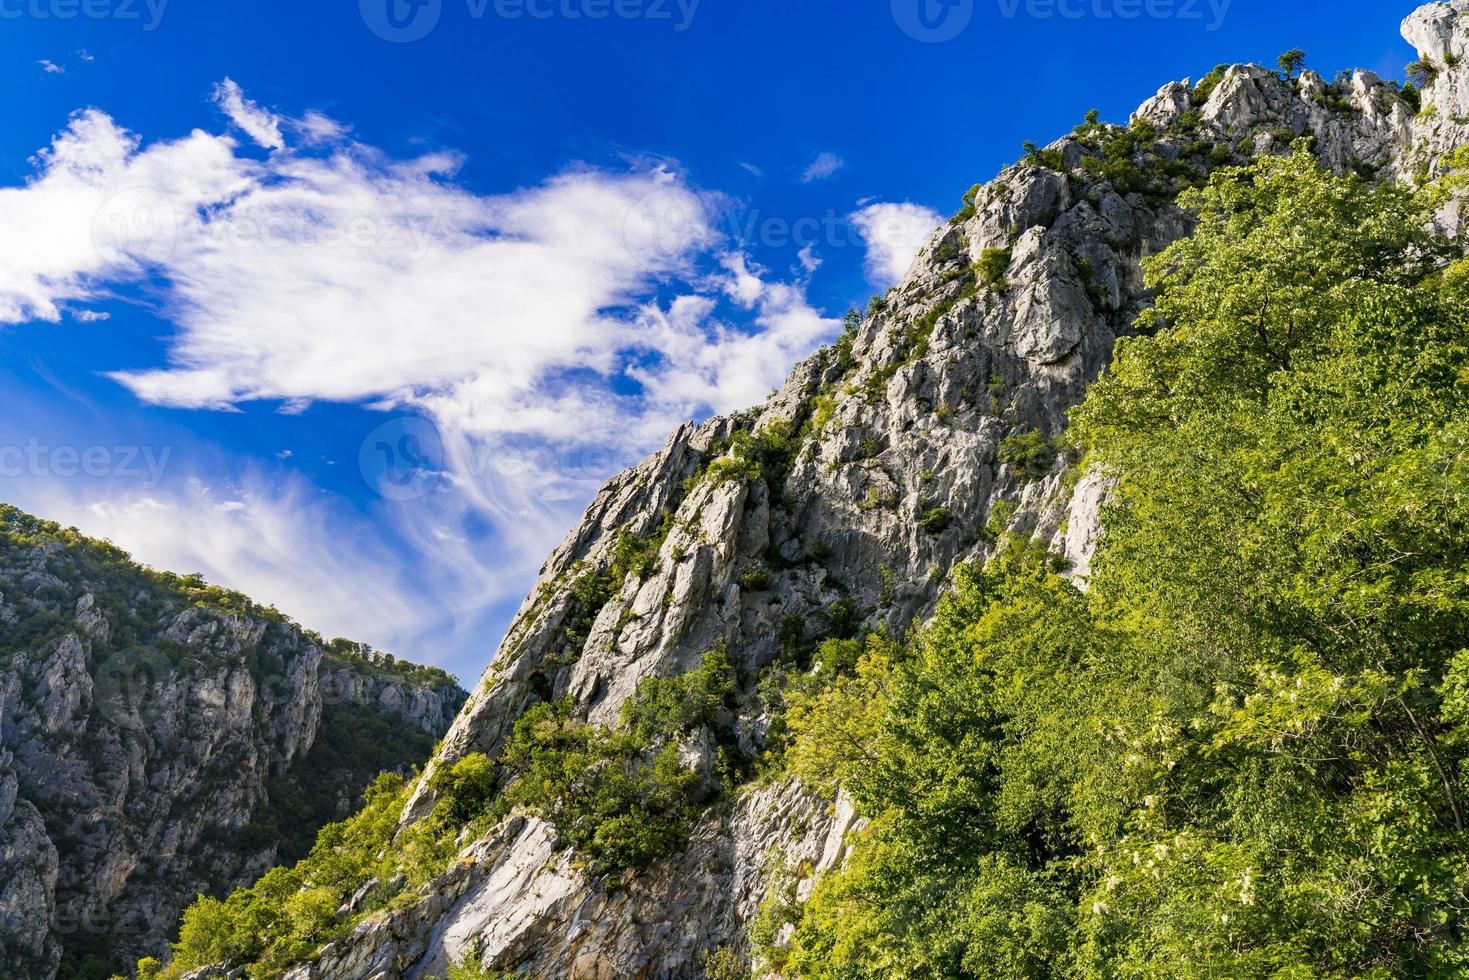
(1239, 752)
(1292, 62)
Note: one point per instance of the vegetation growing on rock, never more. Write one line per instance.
(1240, 751)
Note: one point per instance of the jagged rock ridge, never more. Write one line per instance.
(934, 412)
(159, 739)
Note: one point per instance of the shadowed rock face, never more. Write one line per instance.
(152, 748)
(923, 429)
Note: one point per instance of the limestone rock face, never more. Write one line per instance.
(28, 882)
(938, 408)
(1440, 32)
(142, 739)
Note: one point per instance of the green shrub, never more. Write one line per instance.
(724, 964)
(1208, 84)
(465, 789)
(616, 806)
(768, 454)
(755, 578)
(668, 706)
(968, 211)
(792, 636)
(1048, 158)
(1028, 453)
(1421, 73)
(472, 967)
(991, 267)
(1413, 97)
(934, 520)
(823, 410)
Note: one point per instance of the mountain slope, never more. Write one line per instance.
(160, 738)
(837, 508)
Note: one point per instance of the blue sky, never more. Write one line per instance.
(353, 306)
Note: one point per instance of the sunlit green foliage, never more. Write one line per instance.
(767, 454)
(291, 911)
(617, 800)
(1292, 63)
(621, 798)
(991, 267)
(1208, 84)
(1030, 453)
(1240, 752)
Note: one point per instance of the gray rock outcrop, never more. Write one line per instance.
(937, 410)
(147, 740)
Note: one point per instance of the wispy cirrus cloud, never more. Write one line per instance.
(261, 125)
(825, 165)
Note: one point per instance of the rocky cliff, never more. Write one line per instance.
(841, 505)
(159, 738)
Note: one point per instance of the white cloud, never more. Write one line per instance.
(90, 316)
(92, 217)
(50, 67)
(735, 368)
(894, 233)
(329, 271)
(824, 166)
(261, 125)
(810, 261)
(316, 128)
(279, 546)
(743, 286)
(349, 277)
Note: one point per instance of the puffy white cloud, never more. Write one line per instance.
(94, 217)
(261, 125)
(825, 165)
(893, 233)
(737, 366)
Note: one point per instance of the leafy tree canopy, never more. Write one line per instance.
(1239, 752)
